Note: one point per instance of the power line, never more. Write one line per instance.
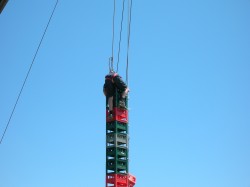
(27, 75)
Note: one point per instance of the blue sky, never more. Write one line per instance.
(189, 103)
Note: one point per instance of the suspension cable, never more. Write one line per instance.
(120, 36)
(130, 4)
(27, 75)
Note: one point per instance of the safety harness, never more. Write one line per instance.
(111, 77)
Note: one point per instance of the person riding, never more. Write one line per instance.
(113, 81)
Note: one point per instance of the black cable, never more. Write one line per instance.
(129, 29)
(27, 75)
(120, 37)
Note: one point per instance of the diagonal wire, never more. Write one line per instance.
(130, 4)
(27, 75)
(120, 36)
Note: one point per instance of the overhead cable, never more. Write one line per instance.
(27, 75)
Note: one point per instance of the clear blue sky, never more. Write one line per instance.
(189, 101)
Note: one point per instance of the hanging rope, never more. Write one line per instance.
(130, 4)
(27, 75)
(111, 59)
(120, 40)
